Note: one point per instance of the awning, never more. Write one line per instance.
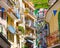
(30, 38)
(11, 29)
(30, 41)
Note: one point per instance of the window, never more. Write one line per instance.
(10, 36)
(47, 29)
(10, 21)
(17, 39)
(1, 29)
(3, 14)
(0, 12)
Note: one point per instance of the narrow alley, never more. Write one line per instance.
(29, 23)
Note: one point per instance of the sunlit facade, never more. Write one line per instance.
(52, 18)
(3, 29)
(29, 23)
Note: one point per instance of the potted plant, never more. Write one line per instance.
(20, 28)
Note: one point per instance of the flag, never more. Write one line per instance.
(54, 12)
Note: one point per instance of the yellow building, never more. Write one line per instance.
(4, 43)
(52, 17)
(20, 21)
(12, 8)
(30, 19)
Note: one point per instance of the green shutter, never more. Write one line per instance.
(59, 20)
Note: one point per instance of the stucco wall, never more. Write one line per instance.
(53, 23)
(49, 13)
(51, 19)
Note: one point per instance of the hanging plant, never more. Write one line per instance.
(20, 28)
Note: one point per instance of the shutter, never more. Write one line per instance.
(59, 20)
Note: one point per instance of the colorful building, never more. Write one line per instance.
(20, 22)
(30, 18)
(52, 17)
(12, 9)
(4, 43)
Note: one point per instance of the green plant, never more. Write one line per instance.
(27, 10)
(20, 28)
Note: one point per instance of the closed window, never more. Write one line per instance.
(59, 20)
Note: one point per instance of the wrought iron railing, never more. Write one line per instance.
(30, 23)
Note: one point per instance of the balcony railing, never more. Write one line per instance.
(30, 4)
(11, 2)
(30, 23)
(10, 9)
(31, 12)
(27, 10)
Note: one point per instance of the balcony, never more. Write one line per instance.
(15, 9)
(12, 11)
(29, 13)
(29, 24)
(29, 4)
(20, 30)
